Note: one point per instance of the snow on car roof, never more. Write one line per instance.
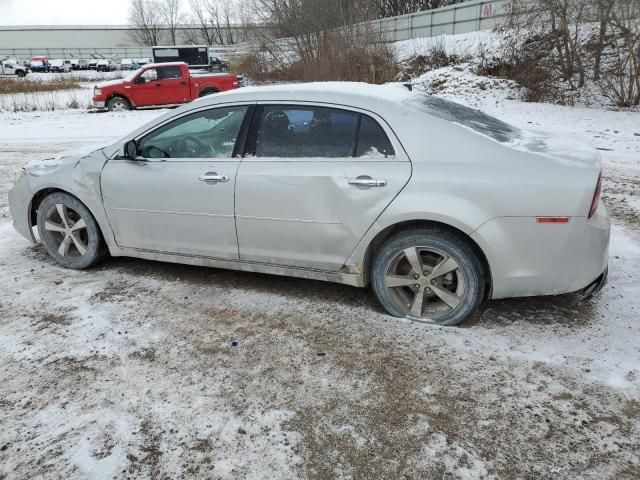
(347, 93)
(163, 64)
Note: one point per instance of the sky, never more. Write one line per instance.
(63, 12)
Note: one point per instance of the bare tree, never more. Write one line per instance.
(323, 40)
(621, 79)
(215, 21)
(146, 20)
(392, 8)
(171, 15)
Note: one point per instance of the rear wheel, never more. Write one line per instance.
(118, 104)
(69, 232)
(428, 275)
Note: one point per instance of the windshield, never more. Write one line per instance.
(132, 75)
(468, 117)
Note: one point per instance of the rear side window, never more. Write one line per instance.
(169, 73)
(306, 132)
(372, 140)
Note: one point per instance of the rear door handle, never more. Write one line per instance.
(213, 177)
(367, 182)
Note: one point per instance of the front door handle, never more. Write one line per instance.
(213, 177)
(365, 181)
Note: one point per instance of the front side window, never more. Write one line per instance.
(150, 75)
(206, 134)
(306, 132)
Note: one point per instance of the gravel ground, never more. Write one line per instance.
(139, 369)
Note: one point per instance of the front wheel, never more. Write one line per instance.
(429, 275)
(21, 73)
(118, 104)
(69, 232)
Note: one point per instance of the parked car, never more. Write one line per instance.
(12, 67)
(141, 62)
(93, 64)
(39, 64)
(128, 64)
(103, 65)
(217, 64)
(60, 66)
(75, 64)
(159, 84)
(436, 205)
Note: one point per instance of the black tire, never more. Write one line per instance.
(469, 277)
(21, 73)
(117, 104)
(207, 91)
(89, 237)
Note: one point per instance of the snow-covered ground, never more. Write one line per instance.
(138, 369)
(77, 98)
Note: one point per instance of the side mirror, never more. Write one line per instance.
(131, 150)
(140, 80)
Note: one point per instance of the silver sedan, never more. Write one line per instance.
(437, 206)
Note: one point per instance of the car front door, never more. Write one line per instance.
(314, 181)
(161, 86)
(178, 196)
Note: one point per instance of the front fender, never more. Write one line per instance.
(82, 180)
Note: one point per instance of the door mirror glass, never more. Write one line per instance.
(140, 80)
(130, 150)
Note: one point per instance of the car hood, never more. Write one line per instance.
(44, 166)
(110, 83)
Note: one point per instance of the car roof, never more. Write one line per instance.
(354, 94)
(164, 64)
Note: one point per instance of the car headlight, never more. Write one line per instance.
(97, 92)
(19, 175)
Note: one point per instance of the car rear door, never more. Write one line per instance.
(178, 196)
(314, 181)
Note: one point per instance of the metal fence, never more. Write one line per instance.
(466, 17)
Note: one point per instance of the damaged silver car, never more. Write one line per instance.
(437, 206)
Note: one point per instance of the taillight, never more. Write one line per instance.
(596, 197)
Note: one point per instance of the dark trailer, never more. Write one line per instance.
(196, 56)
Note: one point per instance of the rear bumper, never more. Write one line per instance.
(529, 259)
(596, 287)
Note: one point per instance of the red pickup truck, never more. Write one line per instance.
(159, 84)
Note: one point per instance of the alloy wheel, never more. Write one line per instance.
(424, 282)
(67, 230)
